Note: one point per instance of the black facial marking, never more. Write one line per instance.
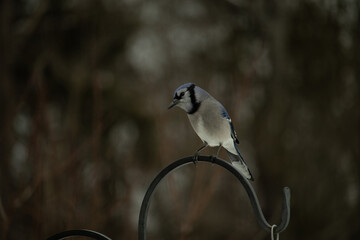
(195, 104)
(177, 96)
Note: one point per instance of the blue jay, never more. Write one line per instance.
(211, 123)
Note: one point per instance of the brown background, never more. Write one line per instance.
(84, 124)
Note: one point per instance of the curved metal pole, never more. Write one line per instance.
(80, 232)
(249, 189)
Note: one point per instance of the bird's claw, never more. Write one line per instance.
(195, 159)
(213, 158)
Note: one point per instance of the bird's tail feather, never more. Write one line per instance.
(239, 163)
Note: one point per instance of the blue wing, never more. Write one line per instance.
(233, 133)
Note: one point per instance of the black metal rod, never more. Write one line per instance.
(79, 232)
(249, 189)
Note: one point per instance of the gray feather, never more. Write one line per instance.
(239, 163)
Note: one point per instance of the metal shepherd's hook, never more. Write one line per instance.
(273, 229)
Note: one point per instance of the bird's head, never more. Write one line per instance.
(186, 97)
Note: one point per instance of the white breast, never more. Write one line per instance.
(209, 125)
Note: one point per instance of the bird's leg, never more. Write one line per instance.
(196, 155)
(217, 154)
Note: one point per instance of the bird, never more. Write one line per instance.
(211, 122)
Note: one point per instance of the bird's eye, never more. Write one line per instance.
(182, 94)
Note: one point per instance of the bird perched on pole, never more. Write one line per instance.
(211, 123)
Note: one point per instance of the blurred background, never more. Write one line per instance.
(84, 125)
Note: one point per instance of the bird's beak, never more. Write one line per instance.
(173, 103)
